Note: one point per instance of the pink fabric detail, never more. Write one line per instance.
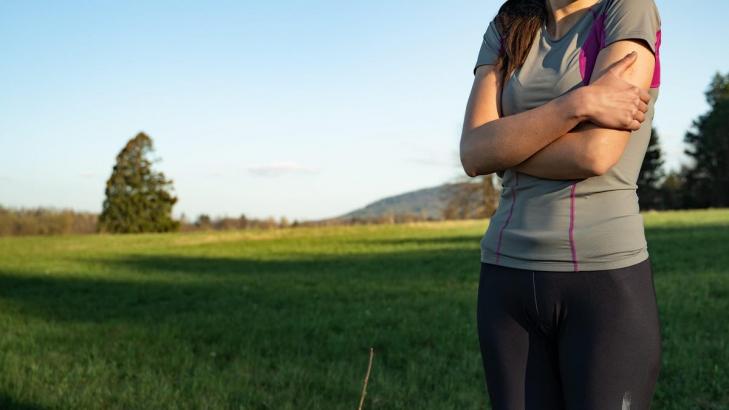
(572, 226)
(657, 70)
(593, 44)
(508, 218)
(596, 41)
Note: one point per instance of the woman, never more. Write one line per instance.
(561, 109)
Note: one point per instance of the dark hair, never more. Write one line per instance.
(518, 22)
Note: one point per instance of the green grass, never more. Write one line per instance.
(284, 319)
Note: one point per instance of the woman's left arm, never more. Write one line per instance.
(589, 150)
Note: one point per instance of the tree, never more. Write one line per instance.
(491, 195)
(204, 221)
(672, 189)
(471, 200)
(137, 197)
(242, 221)
(651, 173)
(708, 178)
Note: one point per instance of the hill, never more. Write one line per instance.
(429, 203)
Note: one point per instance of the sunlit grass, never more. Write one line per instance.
(284, 319)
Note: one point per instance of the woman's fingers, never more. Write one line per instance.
(615, 96)
(642, 106)
(644, 96)
(635, 125)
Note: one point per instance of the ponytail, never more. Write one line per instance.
(518, 21)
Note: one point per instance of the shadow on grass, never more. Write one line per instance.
(152, 292)
(152, 288)
(7, 402)
(465, 241)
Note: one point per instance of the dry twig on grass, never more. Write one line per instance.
(367, 376)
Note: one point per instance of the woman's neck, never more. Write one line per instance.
(559, 12)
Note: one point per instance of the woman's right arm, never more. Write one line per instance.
(490, 143)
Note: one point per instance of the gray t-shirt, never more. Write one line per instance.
(579, 224)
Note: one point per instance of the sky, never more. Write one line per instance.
(303, 109)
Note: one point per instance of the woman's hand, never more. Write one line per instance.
(612, 102)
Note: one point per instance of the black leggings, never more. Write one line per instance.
(569, 340)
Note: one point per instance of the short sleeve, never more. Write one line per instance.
(633, 19)
(490, 46)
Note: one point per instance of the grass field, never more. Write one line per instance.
(284, 319)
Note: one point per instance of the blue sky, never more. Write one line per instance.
(303, 109)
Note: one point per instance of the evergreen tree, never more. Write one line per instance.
(708, 140)
(651, 173)
(137, 197)
(673, 189)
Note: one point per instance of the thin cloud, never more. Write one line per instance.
(280, 168)
(437, 159)
(433, 161)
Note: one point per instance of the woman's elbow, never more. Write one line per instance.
(469, 166)
(467, 162)
(479, 157)
(469, 169)
(603, 150)
(474, 165)
(596, 164)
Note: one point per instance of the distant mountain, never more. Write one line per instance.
(426, 202)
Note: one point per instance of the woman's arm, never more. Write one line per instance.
(565, 158)
(491, 143)
(591, 150)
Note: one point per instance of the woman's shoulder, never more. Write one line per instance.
(631, 19)
(631, 12)
(629, 5)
